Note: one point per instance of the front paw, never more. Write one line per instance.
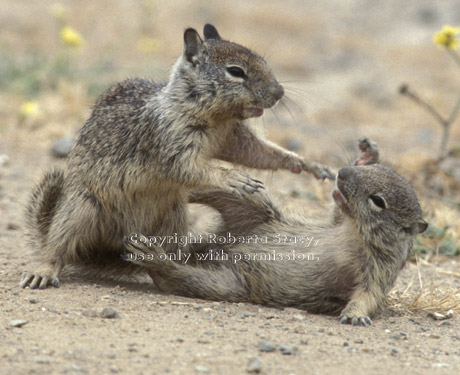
(240, 183)
(369, 152)
(39, 279)
(319, 171)
(355, 320)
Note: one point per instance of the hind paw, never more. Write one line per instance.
(355, 320)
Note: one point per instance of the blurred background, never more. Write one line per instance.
(341, 62)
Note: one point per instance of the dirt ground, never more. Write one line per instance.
(341, 64)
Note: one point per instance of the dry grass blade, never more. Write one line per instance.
(429, 297)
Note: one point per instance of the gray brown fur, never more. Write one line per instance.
(146, 146)
(359, 256)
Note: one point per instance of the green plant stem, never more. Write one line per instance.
(446, 129)
(444, 122)
(405, 90)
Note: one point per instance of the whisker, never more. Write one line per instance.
(276, 116)
(290, 112)
(299, 109)
(300, 95)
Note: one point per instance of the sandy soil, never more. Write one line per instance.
(341, 64)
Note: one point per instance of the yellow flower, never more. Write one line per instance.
(148, 45)
(29, 109)
(447, 37)
(71, 37)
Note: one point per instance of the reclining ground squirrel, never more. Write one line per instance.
(146, 146)
(358, 252)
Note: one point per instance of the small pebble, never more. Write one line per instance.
(61, 148)
(440, 365)
(202, 369)
(346, 344)
(18, 322)
(394, 351)
(33, 300)
(90, 313)
(267, 346)
(109, 313)
(286, 349)
(4, 160)
(425, 328)
(293, 144)
(12, 226)
(76, 368)
(42, 360)
(254, 366)
(359, 341)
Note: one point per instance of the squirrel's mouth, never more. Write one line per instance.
(340, 200)
(252, 112)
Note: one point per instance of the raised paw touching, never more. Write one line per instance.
(369, 152)
(319, 171)
(355, 320)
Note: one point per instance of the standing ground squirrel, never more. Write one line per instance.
(356, 256)
(146, 146)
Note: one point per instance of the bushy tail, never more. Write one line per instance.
(43, 204)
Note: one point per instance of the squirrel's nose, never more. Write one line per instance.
(345, 172)
(278, 92)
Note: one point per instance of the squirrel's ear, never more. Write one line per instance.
(416, 228)
(210, 32)
(422, 226)
(193, 46)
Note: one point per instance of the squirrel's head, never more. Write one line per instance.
(224, 78)
(381, 202)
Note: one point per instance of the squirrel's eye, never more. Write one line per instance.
(378, 201)
(237, 72)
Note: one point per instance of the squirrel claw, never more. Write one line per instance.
(241, 184)
(355, 320)
(39, 281)
(320, 172)
(237, 193)
(253, 186)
